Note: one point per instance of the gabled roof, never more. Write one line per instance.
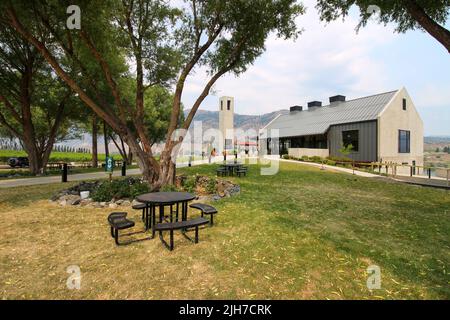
(318, 120)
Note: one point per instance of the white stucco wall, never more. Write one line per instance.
(299, 152)
(392, 119)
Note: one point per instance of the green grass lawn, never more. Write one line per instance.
(301, 234)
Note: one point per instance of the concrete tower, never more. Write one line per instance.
(226, 121)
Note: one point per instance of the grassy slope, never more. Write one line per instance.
(303, 233)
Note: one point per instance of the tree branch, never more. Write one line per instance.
(437, 31)
(112, 120)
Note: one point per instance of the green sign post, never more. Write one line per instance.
(109, 166)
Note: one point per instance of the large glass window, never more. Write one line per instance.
(404, 141)
(228, 104)
(351, 137)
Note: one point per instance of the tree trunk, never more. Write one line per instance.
(437, 31)
(105, 136)
(94, 142)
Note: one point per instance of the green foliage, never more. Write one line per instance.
(316, 159)
(189, 184)
(211, 186)
(119, 189)
(392, 11)
(169, 188)
(346, 150)
(305, 158)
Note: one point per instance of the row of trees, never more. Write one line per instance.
(125, 70)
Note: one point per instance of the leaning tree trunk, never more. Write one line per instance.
(94, 142)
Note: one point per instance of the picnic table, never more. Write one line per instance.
(154, 200)
(231, 167)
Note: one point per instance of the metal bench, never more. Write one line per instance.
(222, 171)
(242, 171)
(118, 221)
(140, 206)
(205, 209)
(184, 225)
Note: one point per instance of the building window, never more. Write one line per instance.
(351, 137)
(404, 104)
(228, 104)
(404, 141)
(221, 105)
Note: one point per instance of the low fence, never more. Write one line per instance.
(394, 169)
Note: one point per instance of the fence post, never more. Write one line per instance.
(448, 182)
(124, 169)
(429, 173)
(64, 173)
(411, 172)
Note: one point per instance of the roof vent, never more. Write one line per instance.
(337, 99)
(296, 108)
(313, 104)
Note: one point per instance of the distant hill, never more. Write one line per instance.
(437, 140)
(210, 119)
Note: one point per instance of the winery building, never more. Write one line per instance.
(385, 127)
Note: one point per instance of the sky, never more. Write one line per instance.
(331, 59)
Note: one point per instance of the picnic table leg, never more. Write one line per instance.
(153, 217)
(161, 213)
(171, 240)
(196, 234)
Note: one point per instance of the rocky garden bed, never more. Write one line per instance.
(121, 192)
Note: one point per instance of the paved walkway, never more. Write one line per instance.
(21, 182)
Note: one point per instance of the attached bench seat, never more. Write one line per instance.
(184, 225)
(222, 171)
(118, 221)
(242, 171)
(140, 206)
(205, 209)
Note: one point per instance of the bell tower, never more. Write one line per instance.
(226, 121)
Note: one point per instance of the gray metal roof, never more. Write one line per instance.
(318, 120)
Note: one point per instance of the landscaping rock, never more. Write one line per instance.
(126, 203)
(113, 205)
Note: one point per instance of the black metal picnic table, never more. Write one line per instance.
(232, 166)
(164, 199)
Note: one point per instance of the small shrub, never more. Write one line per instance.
(305, 158)
(169, 188)
(316, 159)
(285, 156)
(189, 184)
(119, 189)
(331, 162)
(139, 188)
(211, 186)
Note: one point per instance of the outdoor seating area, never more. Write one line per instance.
(232, 169)
(176, 218)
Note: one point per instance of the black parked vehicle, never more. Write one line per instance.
(18, 162)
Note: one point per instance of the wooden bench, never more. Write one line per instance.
(184, 225)
(118, 221)
(205, 209)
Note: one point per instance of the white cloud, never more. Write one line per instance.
(324, 59)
